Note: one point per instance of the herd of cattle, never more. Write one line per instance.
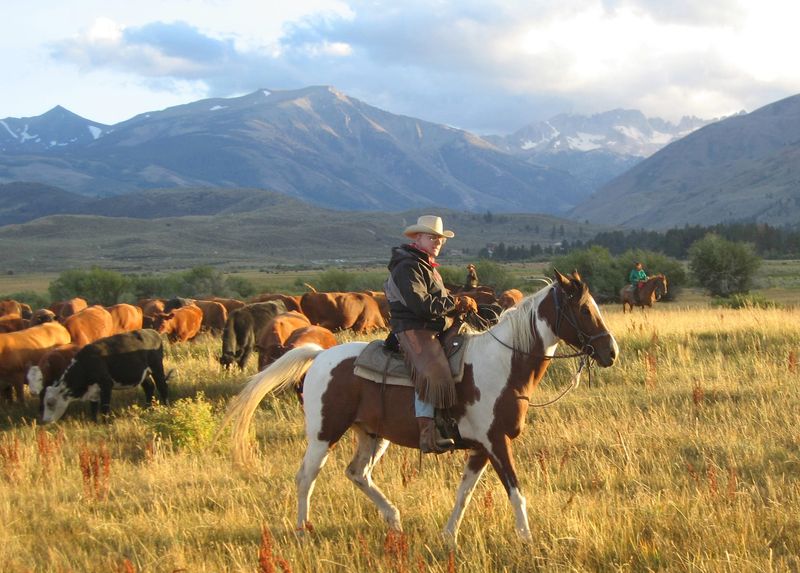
(74, 351)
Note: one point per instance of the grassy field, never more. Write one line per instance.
(685, 456)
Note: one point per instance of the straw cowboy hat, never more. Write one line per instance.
(429, 224)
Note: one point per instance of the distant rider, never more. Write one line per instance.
(637, 278)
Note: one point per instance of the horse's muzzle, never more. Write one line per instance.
(603, 349)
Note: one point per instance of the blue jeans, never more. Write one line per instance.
(422, 409)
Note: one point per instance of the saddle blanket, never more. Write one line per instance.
(375, 360)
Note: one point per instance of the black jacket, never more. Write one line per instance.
(416, 293)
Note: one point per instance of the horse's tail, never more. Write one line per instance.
(285, 371)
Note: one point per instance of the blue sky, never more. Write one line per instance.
(486, 66)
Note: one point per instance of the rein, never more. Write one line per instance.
(584, 353)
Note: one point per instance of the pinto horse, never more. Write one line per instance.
(651, 291)
(503, 366)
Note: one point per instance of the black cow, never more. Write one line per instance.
(243, 328)
(122, 360)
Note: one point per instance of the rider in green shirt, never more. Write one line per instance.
(637, 277)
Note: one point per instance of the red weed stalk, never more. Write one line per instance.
(96, 471)
(792, 361)
(9, 454)
(693, 473)
(127, 567)
(451, 562)
(713, 485)
(48, 446)
(395, 548)
(267, 560)
(488, 501)
(698, 396)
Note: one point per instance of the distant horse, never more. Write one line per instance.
(651, 291)
(503, 366)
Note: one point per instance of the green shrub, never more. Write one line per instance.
(188, 423)
(723, 267)
(606, 274)
(98, 286)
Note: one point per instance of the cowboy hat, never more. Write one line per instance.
(429, 224)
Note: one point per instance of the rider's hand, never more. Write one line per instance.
(465, 304)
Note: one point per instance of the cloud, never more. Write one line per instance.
(488, 66)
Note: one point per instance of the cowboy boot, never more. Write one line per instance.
(429, 439)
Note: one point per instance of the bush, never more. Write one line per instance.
(98, 286)
(597, 268)
(188, 423)
(723, 267)
(606, 274)
(199, 281)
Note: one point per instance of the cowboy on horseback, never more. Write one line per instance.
(637, 277)
(421, 308)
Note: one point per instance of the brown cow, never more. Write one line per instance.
(383, 304)
(13, 323)
(481, 295)
(49, 369)
(272, 338)
(310, 334)
(9, 307)
(42, 315)
(291, 302)
(342, 310)
(150, 308)
(66, 308)
(181, 324)
(214, 315)
(21, 350)
(89, 324)
(510, 297)
(125, 317)
(230, 304)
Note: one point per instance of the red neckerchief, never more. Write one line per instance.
(431, 260)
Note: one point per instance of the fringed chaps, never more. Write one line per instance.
(430, 370)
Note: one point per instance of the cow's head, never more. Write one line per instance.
(56, 400)
(163, 323)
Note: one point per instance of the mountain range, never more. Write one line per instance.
(745, 168)
(327, 149)
(321, 146)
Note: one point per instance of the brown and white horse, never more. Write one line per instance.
(502, 369)
(651, 291)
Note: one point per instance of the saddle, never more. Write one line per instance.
(384, 365)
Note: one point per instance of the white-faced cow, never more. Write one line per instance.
(122, 360)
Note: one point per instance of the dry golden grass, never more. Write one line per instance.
(685, 456)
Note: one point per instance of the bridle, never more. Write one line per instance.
(566, 313)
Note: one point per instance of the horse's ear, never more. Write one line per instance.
(576, 275)
(564, 281)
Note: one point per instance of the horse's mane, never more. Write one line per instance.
(520, 318)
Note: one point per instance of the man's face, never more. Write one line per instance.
(431, 244)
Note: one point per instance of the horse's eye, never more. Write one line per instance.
(585, 310)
